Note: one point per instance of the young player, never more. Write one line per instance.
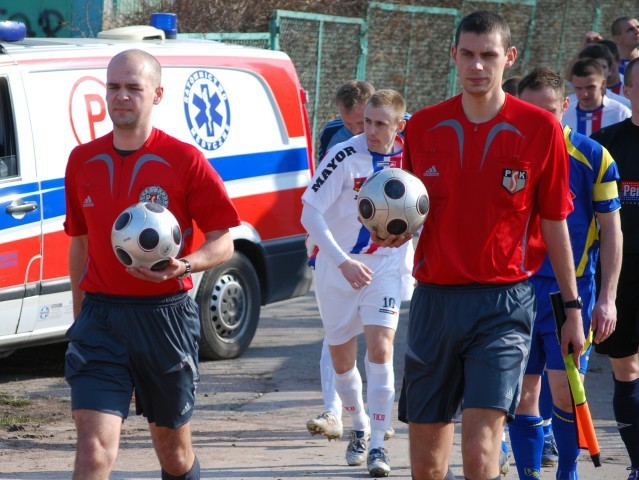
(350, 99)
(590, 109)
(357, 283)
(625, 33)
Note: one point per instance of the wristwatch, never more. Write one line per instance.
(187, 270)
(577, 303)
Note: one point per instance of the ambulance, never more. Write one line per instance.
(244, 108)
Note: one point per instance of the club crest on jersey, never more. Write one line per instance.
(154, 194)
(514, 180)
(358, 182)
(207, 110)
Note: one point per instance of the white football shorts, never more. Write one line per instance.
(344, 310)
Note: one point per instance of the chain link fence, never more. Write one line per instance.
(331, 50)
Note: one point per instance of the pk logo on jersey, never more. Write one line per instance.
(514, 180)
(207, 111)
(154, 194)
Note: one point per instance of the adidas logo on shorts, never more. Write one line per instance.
(186, 408)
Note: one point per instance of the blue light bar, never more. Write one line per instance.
(166, 22)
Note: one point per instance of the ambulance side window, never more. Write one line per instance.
(8, 159)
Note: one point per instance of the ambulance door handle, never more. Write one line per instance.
(24, 207)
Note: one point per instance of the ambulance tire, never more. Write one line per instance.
(229, 302)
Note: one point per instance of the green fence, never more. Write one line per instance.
(409, 51)
(326, 51)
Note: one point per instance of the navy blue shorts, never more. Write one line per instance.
(545, 350)
(150, 344)
(466, 342)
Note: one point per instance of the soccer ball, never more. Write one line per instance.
(146, 235)
(393, 201)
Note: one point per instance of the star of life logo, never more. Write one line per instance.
(207, 110)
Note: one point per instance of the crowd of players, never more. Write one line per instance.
(481, 310)
(542, 202)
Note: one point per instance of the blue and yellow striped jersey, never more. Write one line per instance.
(593, 186)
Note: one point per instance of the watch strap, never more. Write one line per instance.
(576, 303)
(187, 270)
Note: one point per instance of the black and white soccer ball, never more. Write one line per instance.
(393, 201)
(146, 235)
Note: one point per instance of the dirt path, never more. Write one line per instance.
(249, 419)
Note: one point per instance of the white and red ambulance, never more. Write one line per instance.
(242, 107)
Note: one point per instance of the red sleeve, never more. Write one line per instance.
(554, 200)
(406, 163)
(207, 199)
(74, 224)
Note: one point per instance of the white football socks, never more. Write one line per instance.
(349, 388)
(380, 397)
(332, 402)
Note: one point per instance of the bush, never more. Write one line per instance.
(205, 16)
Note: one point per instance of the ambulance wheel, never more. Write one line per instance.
(229, 301)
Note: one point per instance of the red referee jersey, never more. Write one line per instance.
(488, 185)
(99, 184)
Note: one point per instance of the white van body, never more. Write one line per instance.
(242, 107)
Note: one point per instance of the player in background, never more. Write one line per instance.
(510, 85)
(589, 108)
(357, 284)
(135, 328)
(625, 33)
(614, 82)
(604, 56)
(549, 453)
(594, 228)
(622, 140)
(502, 172)
(350, 100)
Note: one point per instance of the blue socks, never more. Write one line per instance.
(567, 446)
(625, 403)
(527, 442)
